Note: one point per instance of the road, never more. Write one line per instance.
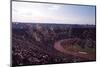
(83, 55)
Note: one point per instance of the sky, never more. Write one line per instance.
(27, 12)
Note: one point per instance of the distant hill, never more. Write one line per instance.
(26, 25)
